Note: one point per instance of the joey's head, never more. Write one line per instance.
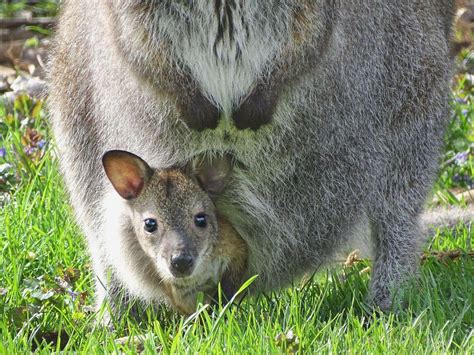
(172, 212)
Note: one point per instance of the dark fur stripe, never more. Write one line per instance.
(224, 11)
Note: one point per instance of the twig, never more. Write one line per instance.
(353, 259)
(35, 21)
(17, 34)
(444, 255)
(467, 196)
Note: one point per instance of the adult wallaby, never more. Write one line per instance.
(165, 239)
(333, 110)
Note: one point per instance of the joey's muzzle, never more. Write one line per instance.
(181, 264)
(179, 252)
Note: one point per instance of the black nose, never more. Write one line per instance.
(181, 264)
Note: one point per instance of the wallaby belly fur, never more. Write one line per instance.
(334, 110)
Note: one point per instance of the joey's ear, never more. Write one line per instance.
(127, 172)
(212, 175)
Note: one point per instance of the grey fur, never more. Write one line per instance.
(358, 93)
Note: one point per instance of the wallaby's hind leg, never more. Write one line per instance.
(396, 255)
(396, 203)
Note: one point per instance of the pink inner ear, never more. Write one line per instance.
(129, 187)
(126, 175)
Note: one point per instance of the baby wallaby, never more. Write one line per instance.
(173, 218)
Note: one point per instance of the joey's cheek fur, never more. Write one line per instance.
(149, 244)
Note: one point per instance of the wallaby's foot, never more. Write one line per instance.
(383, 297)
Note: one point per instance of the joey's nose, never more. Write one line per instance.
(181, 264)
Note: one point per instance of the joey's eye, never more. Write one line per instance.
(151, 225)
(200, 220)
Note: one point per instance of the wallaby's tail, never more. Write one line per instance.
(446, 217)
(431, 220)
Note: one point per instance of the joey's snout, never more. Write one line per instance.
(180, 254)
(181, 264)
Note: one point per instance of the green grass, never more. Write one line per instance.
(46, 282)
(39, 8)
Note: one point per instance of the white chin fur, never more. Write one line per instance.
(205, 272)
